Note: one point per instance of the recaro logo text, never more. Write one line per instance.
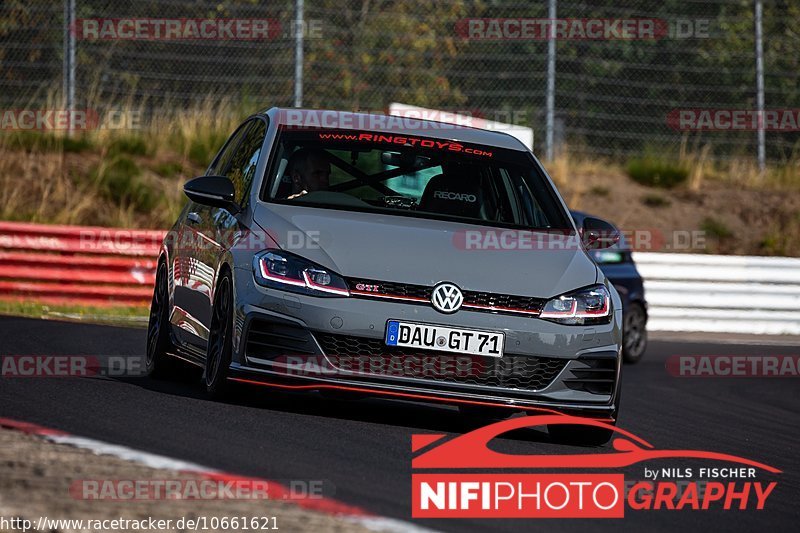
(464, 197)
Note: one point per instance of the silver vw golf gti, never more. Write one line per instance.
(388, 256)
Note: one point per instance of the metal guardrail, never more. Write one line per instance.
(725, 294)
(686, 292)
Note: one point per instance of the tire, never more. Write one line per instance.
(634, 333)
(220, 340)
(158, 363)
(580, 435)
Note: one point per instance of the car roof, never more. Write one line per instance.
(347, 120)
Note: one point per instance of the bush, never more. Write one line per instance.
(715, 228)
(773, 244)
(77, 144)
(131, 145)
(168, 169)
(655, 200)
(202, 148)
(655, 172)
(120, 181)
(46, 142)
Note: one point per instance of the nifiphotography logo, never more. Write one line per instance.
(463, 477)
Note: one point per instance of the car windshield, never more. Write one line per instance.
(412, 176)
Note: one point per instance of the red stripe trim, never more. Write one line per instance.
(496, 308)
(389, 296)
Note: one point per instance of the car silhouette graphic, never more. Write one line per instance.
(470, 450)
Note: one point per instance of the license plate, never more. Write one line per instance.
(444, 339)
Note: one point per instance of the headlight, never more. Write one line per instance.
(580, 308)
(285, 271)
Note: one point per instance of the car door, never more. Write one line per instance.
(217, 227)
(192, 279)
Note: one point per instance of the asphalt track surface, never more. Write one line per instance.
(361, 449)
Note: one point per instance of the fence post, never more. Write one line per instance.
(298, 53)
(551, 82)
(762, 156)
(69, 61)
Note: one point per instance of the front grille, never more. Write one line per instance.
(405, 290)
(595, 376)
(481, 301)
(507, 301)
(363, 355)
(269, 339)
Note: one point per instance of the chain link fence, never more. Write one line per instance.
(614, 94)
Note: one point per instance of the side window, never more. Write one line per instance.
(220, 163)
(526, 201)
(242, 167)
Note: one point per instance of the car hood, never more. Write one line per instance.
(420, 251)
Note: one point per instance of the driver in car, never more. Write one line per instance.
(309, 170)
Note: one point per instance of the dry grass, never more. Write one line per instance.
(739, 171)
(573, 173)
(48, 178)
(58, 188)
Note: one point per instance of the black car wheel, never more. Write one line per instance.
(158, 362)
(220, 340)
(634, 333)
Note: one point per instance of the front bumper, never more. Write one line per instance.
(284, 340)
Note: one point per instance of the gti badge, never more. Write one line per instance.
(447, 298)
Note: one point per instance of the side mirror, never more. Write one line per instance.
(597, 234)
(215, 191)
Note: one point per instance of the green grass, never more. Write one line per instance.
(122, 315)
(202, 148)
(656, 172)
(121, 182)
(715, 228)
(773, 244)
(782, 234)
(128, 145)
(46, 142)
(168, 169)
